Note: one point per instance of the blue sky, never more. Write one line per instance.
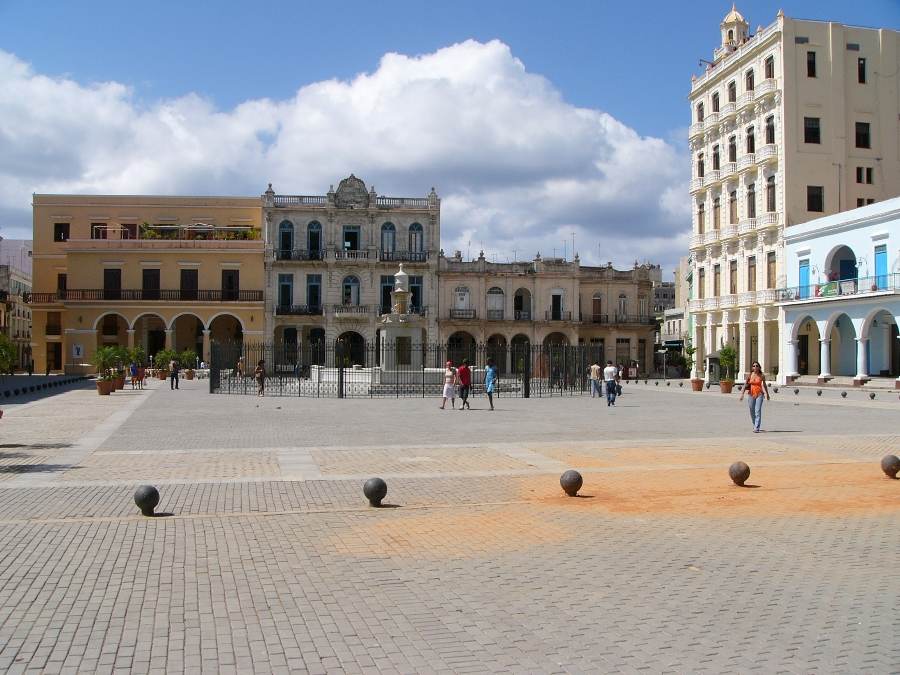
(630, 61)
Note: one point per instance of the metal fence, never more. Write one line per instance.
(369, 370)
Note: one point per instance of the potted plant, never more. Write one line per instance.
(120, 357)
(103, 359)
(188, 358)
(689, 351)
(162, 358)
(727, 360)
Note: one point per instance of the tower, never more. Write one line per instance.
(735, 29)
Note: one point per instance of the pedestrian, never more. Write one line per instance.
(260, 375)
(30, 367)
(450, 379)
(611, 377)
(142, 373)
(133, 371)
(173, 374)
(595, 373)
(464, 375)
(490, 381)
(756, 384)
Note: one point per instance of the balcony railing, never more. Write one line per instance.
(401, 202)
(766, 87)
(747, 225)
(404, 256)
(746, 162)
(522, 315)
(462, 313)
(842, 288)
(301, 200)
(769, 219)
(550, 315)
(696, 128)
(298, 310)
(148, 295)
(495, 315)
(696, 183)
(53, 329)
(728, 168)
(729, 300)
(351, 310)
(727, 110)
(746, 99)
(299, 254)
(730, 231)
(767, 152)
(412, 309)
(344, 254)
(712, 177)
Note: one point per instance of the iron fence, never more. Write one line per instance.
(399, 369)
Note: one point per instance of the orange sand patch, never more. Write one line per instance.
(624, 457)
(821, 489)
(446, 533)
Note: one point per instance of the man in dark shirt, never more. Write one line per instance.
(465, 383)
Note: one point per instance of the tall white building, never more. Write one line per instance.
(794, 122)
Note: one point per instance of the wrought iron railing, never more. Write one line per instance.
(148, 294)
(840, 288)
(462, 313)
(298, 310)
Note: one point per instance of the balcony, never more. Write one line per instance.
(495, 315)
(347, 254)
(713, 176)
(728, 168)
(729, 300)
(835, 290)
(168, 237)
(747, 225)
(696, 183)
(597, 318)
(746, 99)
(462, 313)
(730, 232)
(298, 310)
(767, 153)
(711, 237)
(711, 119)
(148, 295)
(351, 311)
(404, 256)
(746, 298)
(53, 329)
(768, 86)
(746, 162)
(299, 254)
(696, 129)
(697, 240)
(727, 111)
(642, 319)
(550, 315)
(769, 219)
(522, 315)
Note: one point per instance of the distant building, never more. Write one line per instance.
(15, 313)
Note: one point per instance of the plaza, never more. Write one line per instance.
(267, 558)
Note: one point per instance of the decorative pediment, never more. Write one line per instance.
(351, 194)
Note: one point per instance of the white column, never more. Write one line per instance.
(761, 338)
(861, 370)
(791, 359)
(696, 342)
(206, 355)
(824, 358)
(707, 346)
(170, 338)
(130, 333)
(743, 366)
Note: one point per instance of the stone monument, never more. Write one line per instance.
(401, 332)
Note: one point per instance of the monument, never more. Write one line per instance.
(401, 332)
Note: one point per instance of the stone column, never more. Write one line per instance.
(761, 338)
(707, 346)
(824, 360)
(862, 371)
(130, 332)
(207, 354)
(170, 338)
(696, 342)
(791, 360)
(743, 350)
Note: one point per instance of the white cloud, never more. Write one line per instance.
(517, 166)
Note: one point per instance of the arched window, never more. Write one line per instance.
(749, 81)
(495, 301)
(285, 239)
(350, 291)
(314, 240)
(388, 238)
(416, 238)
(700, 112)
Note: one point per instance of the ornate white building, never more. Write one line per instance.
(791, 123)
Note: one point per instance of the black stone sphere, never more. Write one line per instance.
(375, 489)
(818, 392)
(843, 394)
(796, 391)
(872, 396)
(890, 464)
(668, 384)
(707, 385)
(681, 384)
(657, 383)
(571, 482)
(146, 497)
(775, 390)
(739, 473)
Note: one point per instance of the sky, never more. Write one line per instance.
(534, 121)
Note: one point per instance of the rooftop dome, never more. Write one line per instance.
(734, 16)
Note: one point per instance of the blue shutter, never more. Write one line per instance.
(804, 279)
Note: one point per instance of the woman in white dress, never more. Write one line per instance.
(450, 378)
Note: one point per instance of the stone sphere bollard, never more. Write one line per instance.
(775, 389)
(707, 385)
(571, 482)
(146, 497)
(890, 464)
(843, 394)
(681, 384)
(739, 473)
(375, 489)
(668, 384)
(796, 391)
(818, 392)
(872, 396)
(657, 383)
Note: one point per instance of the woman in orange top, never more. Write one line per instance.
(756, 384)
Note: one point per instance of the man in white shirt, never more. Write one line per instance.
(611, 377)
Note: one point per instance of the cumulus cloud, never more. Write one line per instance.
(518, 168)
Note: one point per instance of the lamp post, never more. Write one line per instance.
(663, 352)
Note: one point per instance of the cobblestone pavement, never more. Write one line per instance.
(269, 559)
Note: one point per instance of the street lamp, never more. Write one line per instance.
(663, 352)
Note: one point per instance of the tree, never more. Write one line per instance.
(728, 360)
(7, 354)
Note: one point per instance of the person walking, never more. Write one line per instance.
(490, 381)
(756, 384)
(260, 375)
(595, 373)
(133, 371)
(173, 374)
(464, 375)
(611, 377)
(450, 379)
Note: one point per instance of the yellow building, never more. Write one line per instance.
(171, 272)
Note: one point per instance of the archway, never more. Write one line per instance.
(883, 357)
(496, 350)
(842, 345)
(841, 264)
(461, 345)
(226, 328)
(556, 363)
(112, 330)
(808, 349)
(188, 334)
(353, 346)
(150, 333)
(519, 352)
(495, 303)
